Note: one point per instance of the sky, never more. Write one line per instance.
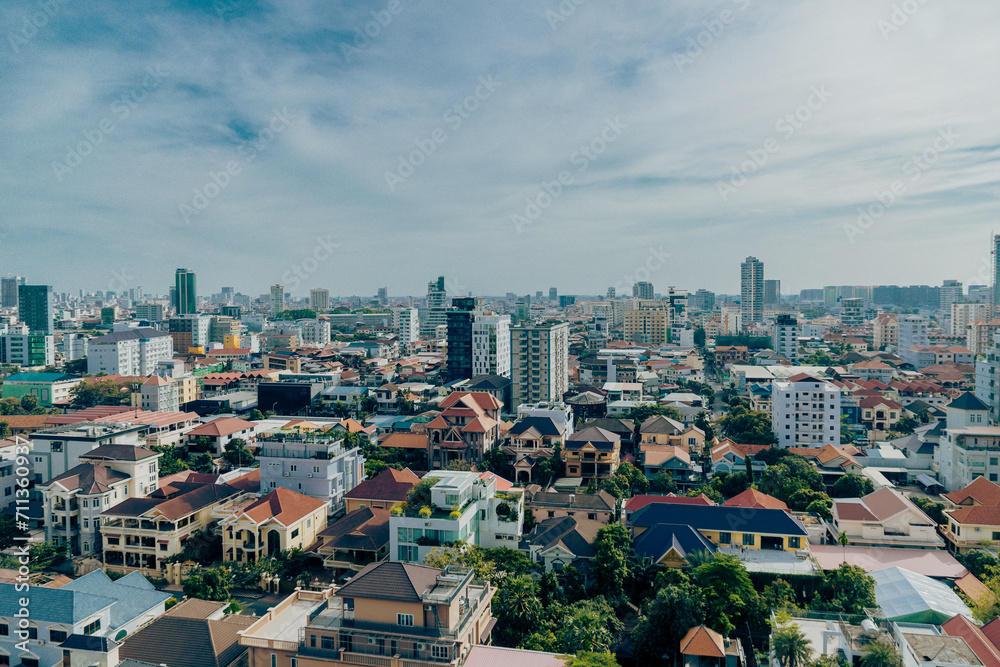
(510, 147)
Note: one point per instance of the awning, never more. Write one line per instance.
(163, 541)
(927, 481)
(485, 634)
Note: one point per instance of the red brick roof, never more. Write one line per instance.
(389, 485)
(980, 491)
(978, 515)
(703, 641)
(636, 503)
(284, 505)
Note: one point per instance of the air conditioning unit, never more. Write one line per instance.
(371, 640)
(421, 647)
(286, 474)
(309, 475)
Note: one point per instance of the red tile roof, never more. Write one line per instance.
(960, 626)
(978, 515)
(754, 498)
(284, 505)
(980, 491)
(703, 641)
(221, 427)
(389, 485)
(636, 503)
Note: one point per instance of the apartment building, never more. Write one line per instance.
(491, 345)
(130, 352)
(390, 614)
(60, 448)
(885, 332)
(786, 334)
(805, 411)
(314, 464)
(160, 393)
(970, 447)
(539, 362)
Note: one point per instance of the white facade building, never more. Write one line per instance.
(970, 447)
(912, 331)
(160, 394)
(318, 466)
(539, 362)
(316, 332)
(491, 345)
(74, 346)
(805, 412)
(132, 352)
(406, 324)
(964, 314)
(786, 337)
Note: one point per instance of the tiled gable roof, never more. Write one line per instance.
(390, 580)
(761, 521)
(980, 491)
(703, 641)
(754, 498)
(283, 505)
(176, 641)
(89, 478)
(389, 485)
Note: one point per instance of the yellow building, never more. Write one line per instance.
(279, 521)
(592, 453)
(756, 528)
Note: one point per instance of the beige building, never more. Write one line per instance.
(647, 327)
(389, 615)
(885, 332)
(281, 520)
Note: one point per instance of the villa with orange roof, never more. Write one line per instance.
(281, 520)
(467, 428)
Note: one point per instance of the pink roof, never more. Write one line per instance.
(636, 503)
(960, 626)
(221, 426)
(502, 484)
(928, 562)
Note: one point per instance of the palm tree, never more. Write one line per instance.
(881, 653)
(842, 538)
(791, 648)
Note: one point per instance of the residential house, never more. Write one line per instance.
(592, 453)
(80, 622)
(533, 439)
(970, 446)
(140, 533)
(660, 430)
(278, 521)
(160, 393)
(561, 541)
(980, 491)
(671, 545)
(467, 428)
(727, 526)
(730, 457)
(221, 430)
(675, 462)
(598, 506)
(460, 505)
(354, 541)
(883, 518)
(726, 355)
(426, 616)
(58, 449)
(754, 499)
(879, 415)
(381, 491)
(704, 647)
(973, 527)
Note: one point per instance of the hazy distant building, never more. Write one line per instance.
(277, 299)
(553, 294)
(34, 308)
(752, 290)
(383, 295)
(951, 293)
(772, 293)
(437, 308)
(319, 299)
(491, 345)
(702, 301)
(642, 290)
(185, 292)
(460, 317)
(852, 312)
(8, 291)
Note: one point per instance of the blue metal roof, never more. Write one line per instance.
(133, 595)
(719, 518)
(40, 377)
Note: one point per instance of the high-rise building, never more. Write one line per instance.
(805, 412)
(227, 295)
(185, 292)
(149, 311)
(964, 314)
(611, 293)
(34, 308)
(885, 332)
(647, 326)
(703, 301)
(852, 312)
(189, 331)
(406, 324)
(786, 337)
(437, 308)
(383, 295)
(553, 294)
(951, 292)
(319, 299)
(277, 299)
(642, 290)
(129, 352)
(996, 274)
(772, 293)
(491, 345)
(752, 290)
(539, 362)
(912, 331)
(8, 291)
(460, 317)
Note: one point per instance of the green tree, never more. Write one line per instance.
(673, 611)
(9, 532)
(612, 552)
(4, 429)
(708, 491)
(497, 461)
(208, 584)
(76, 366)
(88, 393)
(237, 453)
(728, 590)
(847, 589)
(933, 510)
(802, 498)
(662, 483)
(703, 421)
(731, 485)
(852, 486)
(748, 426)
(255, 415)
(791, 648)
(589, 625)
(517, 610)
(591, 659)
(29, 402)
(982, 564)
(699, 337)
(905, 425)
(881, 653)
(297, 314)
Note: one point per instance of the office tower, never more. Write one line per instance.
(703, 301)
(752, 290)
(772, 293)
(277, 299)
(805, 412)
(228, 294)
(611, 293)
(852, 312)
(539, 362)
(522, 309)
(491, 345)
(553, 294)
(437, 308)
(319, 299)
(996, 274)
(951, 293)
(786, 337)
(185, 292)
(34, 308)
(383, 295)
(642, 290)
(566, 300)
(8, 291)
(460, 317)
(189, 331)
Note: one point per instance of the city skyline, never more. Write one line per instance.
(141, 139)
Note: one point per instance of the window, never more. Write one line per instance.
(163, 547)
(294, 662)
(92, 627)
(749, 539)
(725, 538)
(793, 542)
(4, 629)
(274, 660)
(327, 643)
(58, 636)
(404, 619)
(441, 652)
(33, 633)
(85, 501)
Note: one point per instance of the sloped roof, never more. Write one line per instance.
(980, 491)
(936, 563)
(89, 478)
(543, 425)
(390, 580)
(176, 641)
(636, 503)
(761, 521)
(661, 538)
(480, 399)
(119, 453)
(407, 440)
(40, 378)
(960, 626)
(389, 485)
(598, 437)
(906, 596)
(184, 498)
(365, 529)
(221, 427)
(980, 515)
(55, 605)
(968, 401)
(284, 505)
(661, 424)
(754, 498)
(133, 594)
(703, 641)
(565, 531)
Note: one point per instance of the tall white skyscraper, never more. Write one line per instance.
(491, 345)
(752, 290)
(277, 299)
